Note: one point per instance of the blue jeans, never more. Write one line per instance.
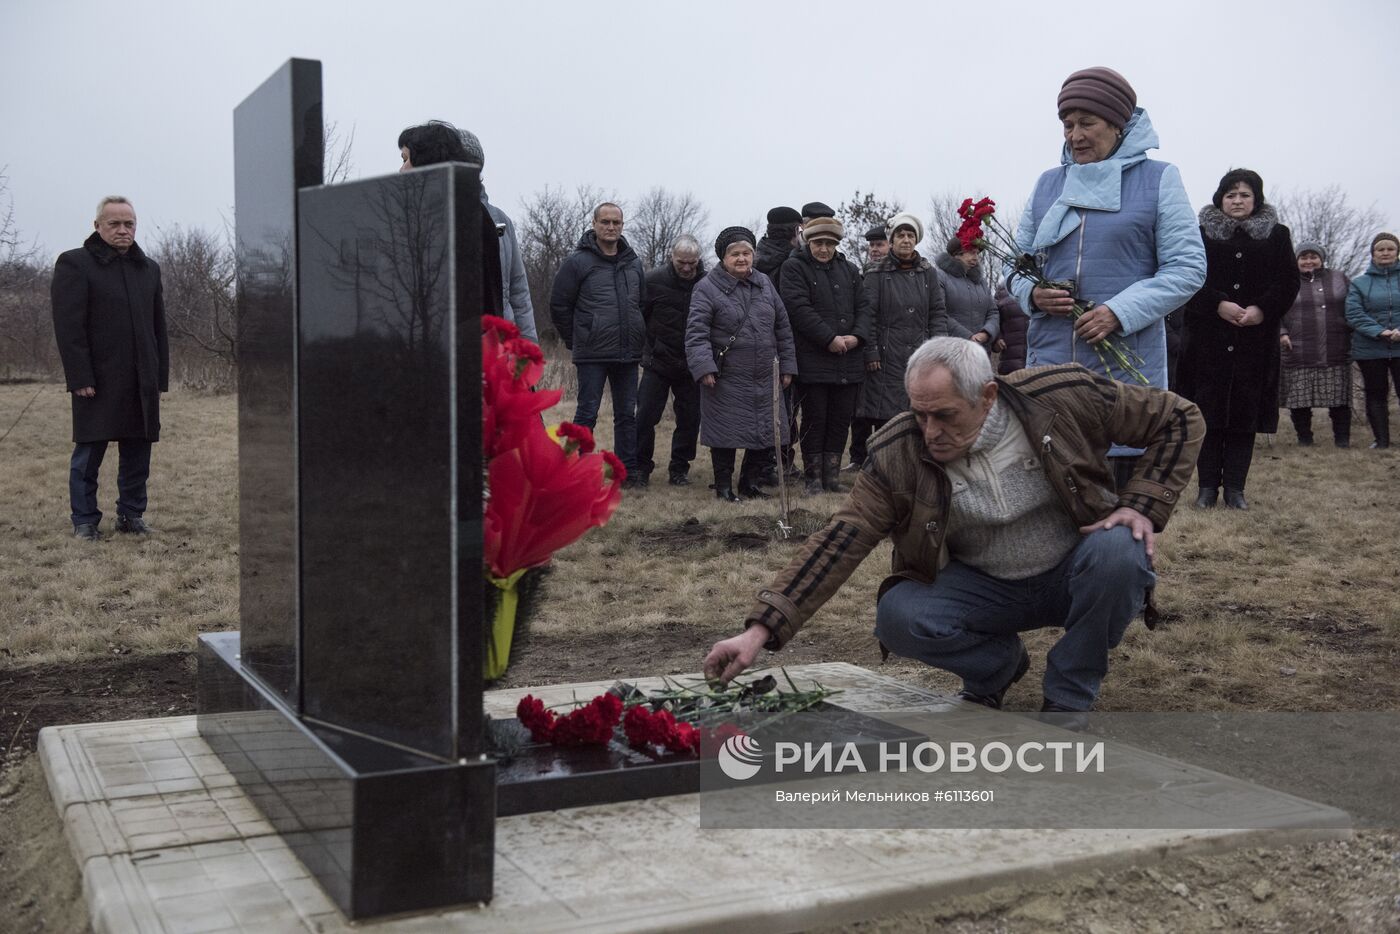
(622, 377)
(968, 622)
(133, 468)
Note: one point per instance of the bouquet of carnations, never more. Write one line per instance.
(1002, 244)
(544, 487)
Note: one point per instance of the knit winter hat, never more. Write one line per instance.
(783, 214)
(823, 228)
(473, 147)
(816, 209)
(1100, 91)
(1311, 246)
(730, 236)
(1385, 236)
(905, 219)
(878, 232)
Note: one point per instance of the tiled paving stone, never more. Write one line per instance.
(168, 842)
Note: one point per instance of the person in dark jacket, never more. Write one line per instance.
(664, 370)
(736, 329)
(906, 309)
(1230, 350)
(1012, 342)
(1373, 311)
(1316, 345)
(596, 306)
(972, 312)
(779, 240)
(830, 319)
(109, 319)
(877, 241)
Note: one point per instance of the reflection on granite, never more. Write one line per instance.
(277, 148)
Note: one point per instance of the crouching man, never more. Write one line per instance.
(998, 497)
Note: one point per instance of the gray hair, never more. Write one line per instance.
(112, 199)
(686, 243)
(968, 363)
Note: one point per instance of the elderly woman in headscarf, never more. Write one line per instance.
(1316, 345)
(1229, 344)
(1120, 229)
(972, 311)
(907, 308)
(737, 326)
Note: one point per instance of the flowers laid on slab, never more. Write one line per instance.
(675, 718)
(545, 487)
(995, 239)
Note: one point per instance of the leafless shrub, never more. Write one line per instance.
(1325, 216)
(657, 218)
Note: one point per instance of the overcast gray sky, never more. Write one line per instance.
(747, 105)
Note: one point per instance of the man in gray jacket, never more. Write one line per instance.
(596, 305)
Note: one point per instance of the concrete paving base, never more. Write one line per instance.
(167, 842)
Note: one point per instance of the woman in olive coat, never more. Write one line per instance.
(1230, 347)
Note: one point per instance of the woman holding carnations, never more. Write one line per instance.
(1117, 230)
(1229, 344)
(737, 326)
(907, 309)
(830, 318)
(1316, 345)
(1373, 311)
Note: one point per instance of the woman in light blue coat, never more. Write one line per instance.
(1373, 311)
(1119, 227)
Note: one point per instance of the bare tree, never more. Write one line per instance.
(657, 218)
(1326, 217)
(26, 327)
(197, 272)
(551, 222)
(338, 146)
(858, 215)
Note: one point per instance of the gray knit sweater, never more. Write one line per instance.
(1005, 519)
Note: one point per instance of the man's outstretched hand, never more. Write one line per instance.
(729, 657)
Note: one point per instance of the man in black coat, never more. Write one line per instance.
(664, 370)
(596, 306)
(109, 319)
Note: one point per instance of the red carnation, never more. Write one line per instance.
(589, 725)
(965, 207)
(580, 435)
(536, 718)
(643, 728)
(500, 327)
(685, 739)
(619, 472)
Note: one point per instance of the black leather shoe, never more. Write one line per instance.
(132, 525)
(678, 479)
(994, 700)
(748, 491)
(1234, 499)
(1207, 497)
(727, 494)
(1066, 718)
(87, 532)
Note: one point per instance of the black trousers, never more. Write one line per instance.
(1341, 423)
(1225, 457)
(861, 430)
(722, 460)
(651, 405)
(1373, 387)
(827, 410)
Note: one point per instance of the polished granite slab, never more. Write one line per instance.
(168, 841)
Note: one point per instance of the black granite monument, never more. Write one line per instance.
(349, 706)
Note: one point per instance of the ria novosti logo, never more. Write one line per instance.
(740, 757)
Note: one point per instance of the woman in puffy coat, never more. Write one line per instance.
(737, 326)
(907, 309)
(1119, 228)
(822, 293)
(1316, 345)
(1373, 311)
(1229, 344)
(972, 312)
(1012, 343)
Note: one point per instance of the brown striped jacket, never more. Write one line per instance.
(1071, 414)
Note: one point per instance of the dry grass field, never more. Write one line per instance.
(1290, 606)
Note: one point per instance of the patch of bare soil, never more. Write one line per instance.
(739, 533)
(40, 886)
(123, 687)
(1351, 885)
